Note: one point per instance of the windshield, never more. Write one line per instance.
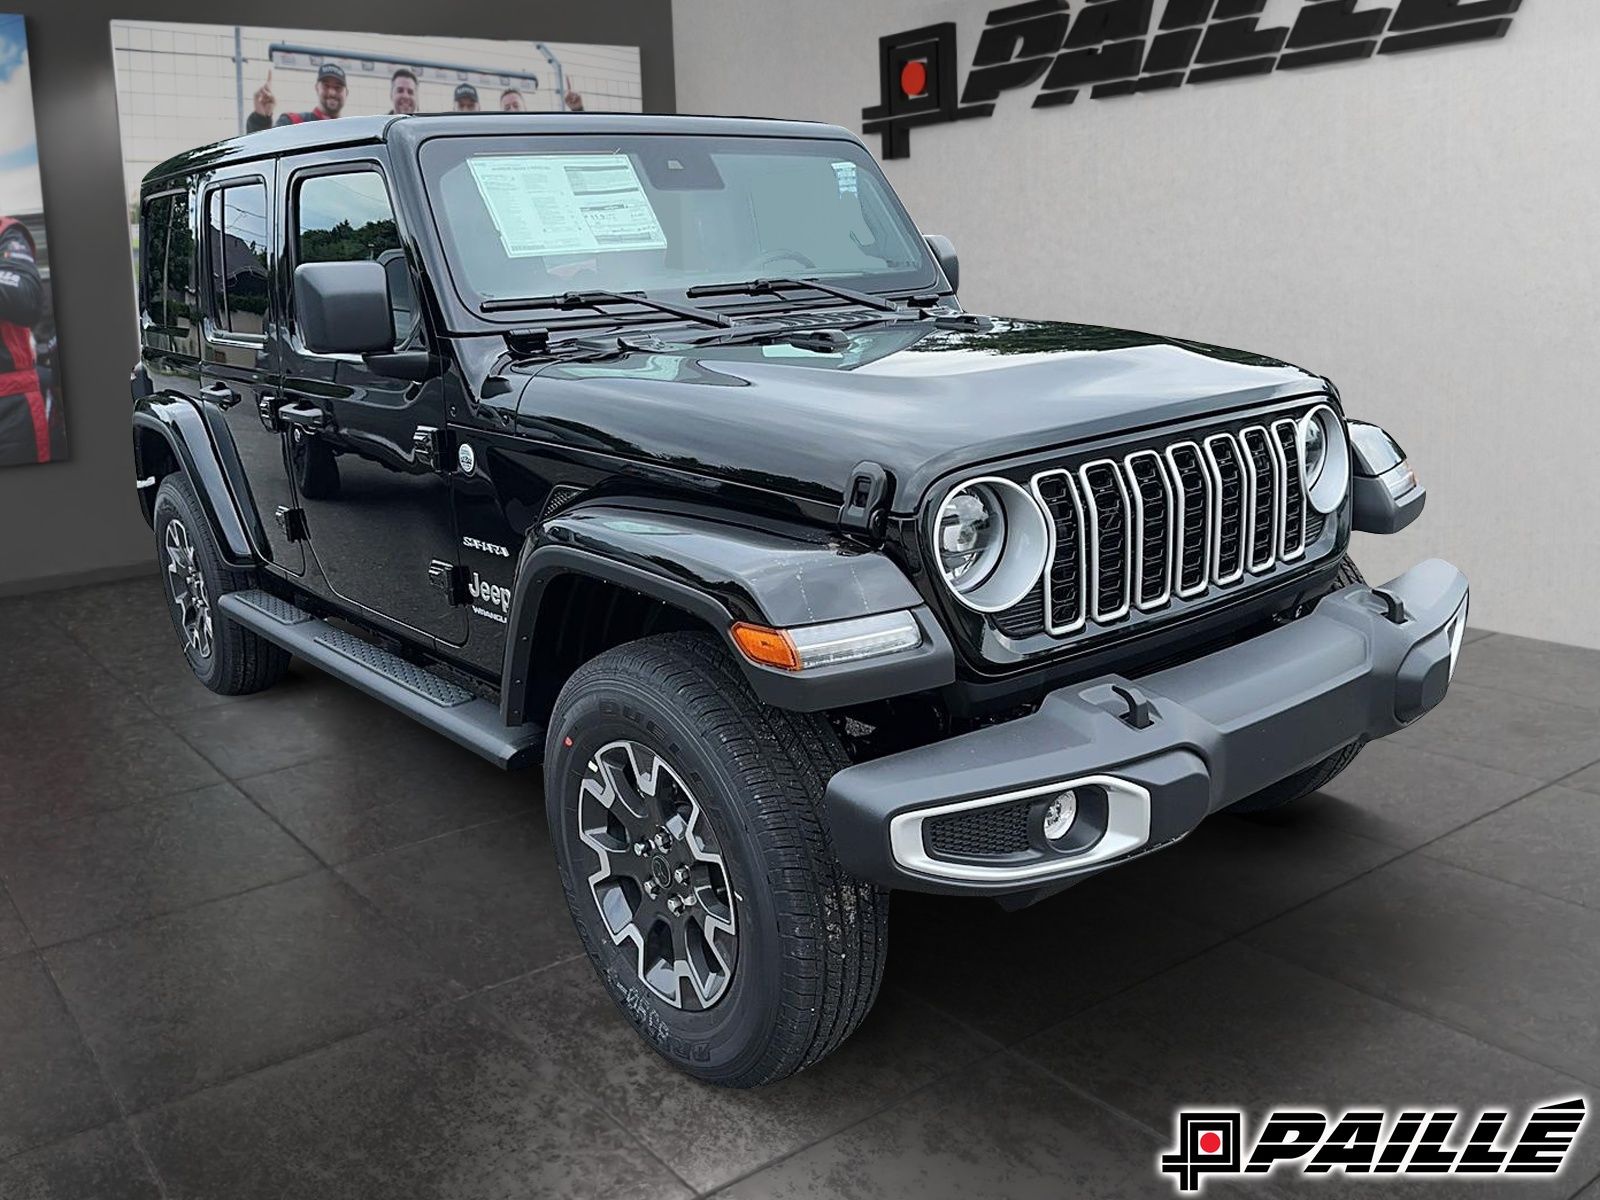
(525, 217)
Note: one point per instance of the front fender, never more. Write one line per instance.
(184, 430)
(721, 573)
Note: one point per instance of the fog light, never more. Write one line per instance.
(1059, 816)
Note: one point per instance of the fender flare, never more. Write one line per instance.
(184, 429)
(720, 573)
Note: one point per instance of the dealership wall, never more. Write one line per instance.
(1423, 228)
(75, 521)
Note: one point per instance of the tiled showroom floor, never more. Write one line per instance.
(293, 946)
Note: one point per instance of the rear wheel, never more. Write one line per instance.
(687, 822)
(1318, 775)
(227, 658)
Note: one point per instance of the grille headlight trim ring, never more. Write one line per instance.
(1024, 553)
(1328, 489)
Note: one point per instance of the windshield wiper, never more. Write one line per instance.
(600, 300)
(774, 287)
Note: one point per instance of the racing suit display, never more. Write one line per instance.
(24, 417)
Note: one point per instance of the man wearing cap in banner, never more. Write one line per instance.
(330, 101)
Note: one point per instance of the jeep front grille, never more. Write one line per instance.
(1168, 523)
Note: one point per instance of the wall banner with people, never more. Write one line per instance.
(32, 421)
(182, 85)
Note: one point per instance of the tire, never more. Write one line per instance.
(805, 954)
(227, 658)
(1318, 775)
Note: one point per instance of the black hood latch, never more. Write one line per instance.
(866, 500)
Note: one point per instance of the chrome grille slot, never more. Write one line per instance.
(1266, 502)
(1193, 520)
(1105, 500)
(1065, 598)
(1230, 510)
(1152, 528)
(1286, 445)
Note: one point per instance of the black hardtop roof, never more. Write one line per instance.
(409, 131)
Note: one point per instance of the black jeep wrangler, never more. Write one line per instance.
(659, 450)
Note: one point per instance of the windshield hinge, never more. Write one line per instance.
(866, 499)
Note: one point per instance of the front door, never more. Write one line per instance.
(367, 451)
(239, 349)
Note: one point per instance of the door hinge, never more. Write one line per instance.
(450, 579)
(292, 521)
(427, 446)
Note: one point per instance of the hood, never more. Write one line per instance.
(919, 400)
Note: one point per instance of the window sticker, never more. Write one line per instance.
(846, 172)
(566, 203)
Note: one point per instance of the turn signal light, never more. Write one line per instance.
(769, 647)
(809, 646)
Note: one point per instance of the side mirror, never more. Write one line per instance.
(343, 307)
(944, 251)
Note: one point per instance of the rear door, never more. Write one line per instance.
(239, 347)
(368, 453)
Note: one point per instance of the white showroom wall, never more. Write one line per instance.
(1424, 228)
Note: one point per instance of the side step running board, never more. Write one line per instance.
(437, 703)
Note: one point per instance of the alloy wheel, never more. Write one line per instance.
(188, 586)
(660, 882)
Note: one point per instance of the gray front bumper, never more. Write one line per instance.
(1363, 664)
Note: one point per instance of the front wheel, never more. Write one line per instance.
(687, 822)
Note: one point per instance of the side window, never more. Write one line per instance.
(236, 233)
(347, 217)
(155, 229)
(183, 309)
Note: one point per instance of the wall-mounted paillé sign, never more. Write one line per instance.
(1123, 47)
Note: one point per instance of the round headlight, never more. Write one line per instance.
(972, 532)
(992, 543)
(1324, 459)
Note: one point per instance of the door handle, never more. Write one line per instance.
(302, 416)
(220, 394)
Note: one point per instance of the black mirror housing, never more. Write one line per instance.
(944, 252)
(343, 307)
(1387, 494)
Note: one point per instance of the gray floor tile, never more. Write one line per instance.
(204, 995)
(486, 903)
(446, 1107)
(102, 1164)
(1003, 1131)
(357, 805)
(308, 715)
(1218, 1032)
(1010, 974)
(1476, 635)
(1588, 780)
(1236, 873)
(1406, 797)
(49, 1086)
(81, 771)
(13, 934)
(1549, 842)
(1545, 670)
(71, 697)
(1592, 1192)
(711, 1135)
(79, 877)
(1521, 734)
(1514, 968)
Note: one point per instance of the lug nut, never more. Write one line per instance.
(688, 900)
(681, 875)
(674, 905)
(662, 842)
(650, 889)
(641, 848)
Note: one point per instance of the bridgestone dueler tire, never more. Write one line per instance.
(240, 662)
(1319, 774)
(811, 939)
